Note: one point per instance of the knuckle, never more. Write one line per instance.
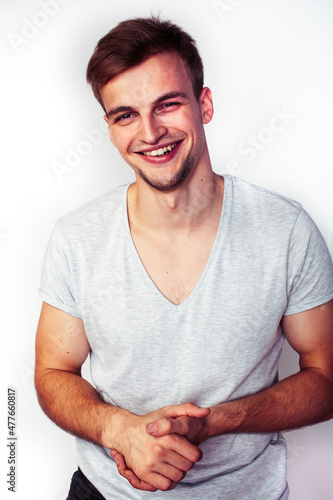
(196, 455)
(190, 406)
(122, 473)
(158, 451)
(168, 440)
(187, 467)
(140, 471)
(168, 425)
(149, 464)
(179, 475)
(167, 485)
(187, 425)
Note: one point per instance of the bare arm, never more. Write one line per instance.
(61, 349)
(73, 404)
(302, 399)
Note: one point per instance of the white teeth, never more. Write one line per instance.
(161, 151)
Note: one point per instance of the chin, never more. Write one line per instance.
(174, 182)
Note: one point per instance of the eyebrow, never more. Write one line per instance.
(164, 97)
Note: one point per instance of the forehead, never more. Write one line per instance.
(142, 84)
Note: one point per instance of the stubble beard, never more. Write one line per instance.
(172, 183)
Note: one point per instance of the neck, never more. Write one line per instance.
(196, 202)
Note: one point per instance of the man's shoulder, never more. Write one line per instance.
(260, 199)
(95, 212)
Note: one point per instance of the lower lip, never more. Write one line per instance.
(157, 160)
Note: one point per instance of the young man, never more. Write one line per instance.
(182, 287)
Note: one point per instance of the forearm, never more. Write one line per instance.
(302, 399)
(75, 406)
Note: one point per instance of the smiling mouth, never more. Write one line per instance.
(161, 151)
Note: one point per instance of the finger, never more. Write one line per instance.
(163, 426)
(170, 463)
(183, 447)
(188, 409)
(129, 474)
(121, 464)
(114, 454)
(179, 462)
(120, 461)
(169, 476)
(161, 482)
(136, 482)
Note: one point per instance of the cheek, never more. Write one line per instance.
(111, 136)
(120, 141)
(191, 123)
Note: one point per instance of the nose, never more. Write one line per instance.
(151, 130)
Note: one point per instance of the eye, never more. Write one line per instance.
(170, 104)
(124, 117)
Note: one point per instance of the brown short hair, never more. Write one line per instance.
(134, 41)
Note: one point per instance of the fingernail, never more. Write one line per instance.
(151, 428)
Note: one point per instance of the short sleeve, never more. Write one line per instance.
(310, 269)
(56, 279)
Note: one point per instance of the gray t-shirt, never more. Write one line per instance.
(222, 343)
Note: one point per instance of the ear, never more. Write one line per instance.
(206, 105)
(109, 129)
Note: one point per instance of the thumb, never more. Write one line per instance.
(185, 426)
(160, 427)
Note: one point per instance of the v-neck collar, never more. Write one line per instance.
(156, 290)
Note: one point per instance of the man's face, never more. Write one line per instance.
(156, 122)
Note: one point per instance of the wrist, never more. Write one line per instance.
(114, 424)
(222, 419)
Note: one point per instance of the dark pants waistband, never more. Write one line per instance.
(82, 489)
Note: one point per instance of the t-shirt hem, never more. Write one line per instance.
(305, 306)
(58, 305)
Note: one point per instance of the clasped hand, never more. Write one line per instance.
(159, 448)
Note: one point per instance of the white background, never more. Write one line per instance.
(260, 56)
